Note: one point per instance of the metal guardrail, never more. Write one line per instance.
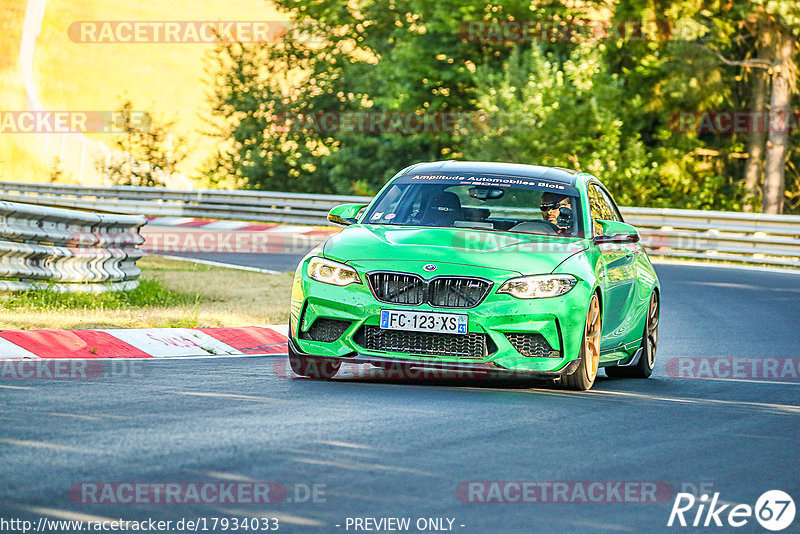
(750, 238)
(730, 236)
(260, 206)
(67, 250)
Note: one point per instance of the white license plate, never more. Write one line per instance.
(415, 321)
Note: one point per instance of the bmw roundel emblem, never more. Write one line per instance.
(429, 267)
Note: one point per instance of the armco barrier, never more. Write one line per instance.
(67, 249)
(751, 238)
(736, 237)
(261, 206)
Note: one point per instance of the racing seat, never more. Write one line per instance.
(442, 210)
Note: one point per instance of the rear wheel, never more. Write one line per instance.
(308, 366)
(583, 377)
(644, 367)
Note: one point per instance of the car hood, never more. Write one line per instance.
(514, 253)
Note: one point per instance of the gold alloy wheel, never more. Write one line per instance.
(591, 348)
(652, 330)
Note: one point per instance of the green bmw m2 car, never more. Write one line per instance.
(480, 267)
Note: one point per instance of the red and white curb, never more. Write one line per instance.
(224, 225)
(143, 342)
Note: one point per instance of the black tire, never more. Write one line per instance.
(310, 367)
(583, 377)
(644, 367)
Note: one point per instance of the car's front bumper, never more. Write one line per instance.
(559, 320)
(408, 368)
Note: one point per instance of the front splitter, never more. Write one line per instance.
(487, 369)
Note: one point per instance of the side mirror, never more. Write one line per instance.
(616, 232)
(345, 214)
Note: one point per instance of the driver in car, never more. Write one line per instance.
(557, 209)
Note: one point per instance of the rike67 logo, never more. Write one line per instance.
(774, 510)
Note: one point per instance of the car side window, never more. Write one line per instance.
(599, 209)
(612, 207)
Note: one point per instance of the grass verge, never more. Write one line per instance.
(171, 294)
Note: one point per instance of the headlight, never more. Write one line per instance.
(332, 272)
(538, 287)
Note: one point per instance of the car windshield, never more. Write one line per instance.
(480, 201)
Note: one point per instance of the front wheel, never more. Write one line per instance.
(316, 368)
(647, 360)
(583, 377)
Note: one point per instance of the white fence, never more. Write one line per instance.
(735, 237)
(67, 250)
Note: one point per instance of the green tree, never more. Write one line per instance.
(573, 114)
(729, 64)
(608, 107)
(255, 151)
(146, 153)
(404, 56)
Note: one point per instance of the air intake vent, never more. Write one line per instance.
(440, 292)
(327, 330)
(457, 292)
(397, 288)
(532, 346)
(426, 343)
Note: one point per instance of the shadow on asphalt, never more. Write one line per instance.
(476, 380)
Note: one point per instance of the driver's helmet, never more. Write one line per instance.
(552, 201)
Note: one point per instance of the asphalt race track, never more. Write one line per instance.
(284, 251)
(271, 262)
(382, 448)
